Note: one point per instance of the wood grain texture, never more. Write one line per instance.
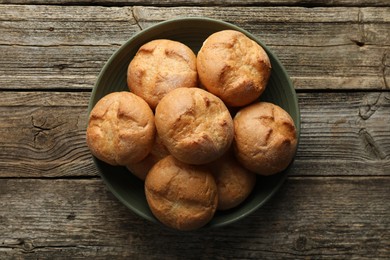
(305, 3)
(342, 134)
(321, 48)
(43, 134)
(316, 218)
(335, 202)
(41, 25)
(59, 47)
(45, 68)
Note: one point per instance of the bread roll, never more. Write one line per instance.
(233, 67)
(121, 129)
(159, 67)
(181, 196)
(142, 168)
(234, 182)
(159, 150)
(265, 138)
(194, 125)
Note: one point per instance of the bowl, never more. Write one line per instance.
(192, 32)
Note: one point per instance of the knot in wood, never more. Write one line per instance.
(300, 243)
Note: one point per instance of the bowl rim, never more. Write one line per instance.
(231, 26)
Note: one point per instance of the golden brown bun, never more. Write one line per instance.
(265, 138)
(180, 195)
(141, 169)
(159, 150)
(233, 67)
(194, 125)
(159, 67)
(234, 182)
(121, 129)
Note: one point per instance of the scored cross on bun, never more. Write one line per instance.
(121, 129)
(159, 67)
(194, 125)
(265, 138)
(180, 195)
(233, 67)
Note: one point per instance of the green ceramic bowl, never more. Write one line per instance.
(192, 32)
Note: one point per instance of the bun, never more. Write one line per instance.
(265, 138)
(159, 150)
(159, 67)
(194, 125)
(121, 129)
(233, 67)
(142, 168)
(234, 182)
(181, 196)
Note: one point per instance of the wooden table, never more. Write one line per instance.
(334, 205)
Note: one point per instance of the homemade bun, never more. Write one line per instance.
(142, 168)
(265, 138)
(159, 150)
(159, 67)
(194, 125)
(181, 196)
(121, 129)
(233, 67)
(234, 182)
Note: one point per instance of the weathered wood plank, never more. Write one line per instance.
(269, 14)
(65, 25)
(340, 135)
(208, 3)
(59, 67)
(77, 67)
(51, 25)
(80, 218)
(322, 48)
(42, 134)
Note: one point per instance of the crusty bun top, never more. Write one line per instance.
(233, 67)
(265, 138)
(194, 125)
(121, 129)
(180, 195)
(159, 67)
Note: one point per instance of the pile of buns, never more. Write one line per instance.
(192, 127)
